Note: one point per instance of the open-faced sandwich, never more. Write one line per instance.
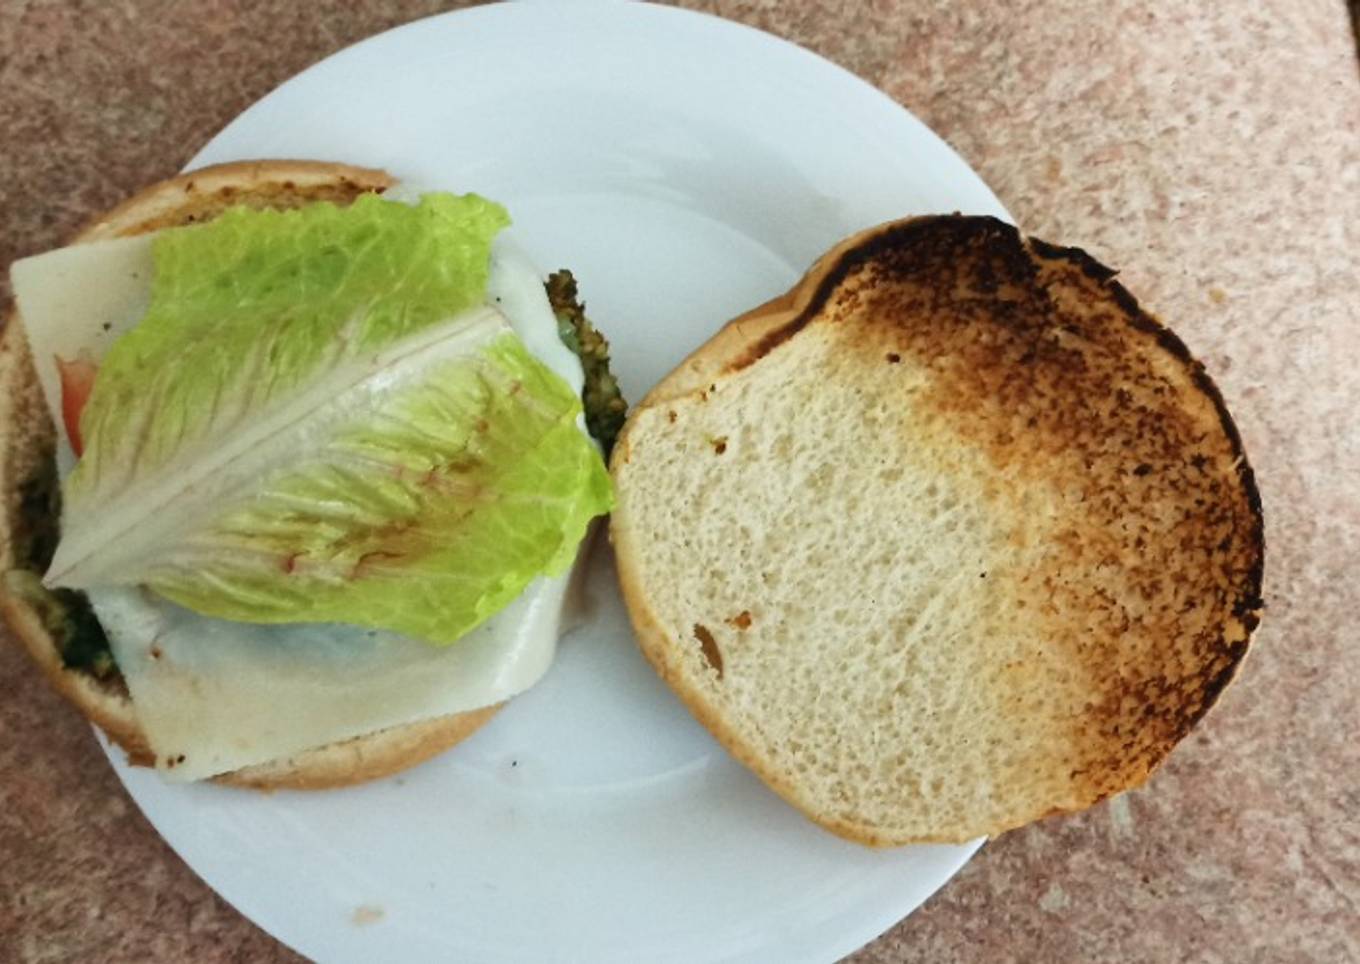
(295, 474)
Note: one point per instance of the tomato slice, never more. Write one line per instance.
(77, 379)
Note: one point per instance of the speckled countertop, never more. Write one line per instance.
(1213, 149)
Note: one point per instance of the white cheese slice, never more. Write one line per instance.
(516, 288)
(212, 695)
(75, 302)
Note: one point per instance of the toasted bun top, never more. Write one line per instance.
(27, 441)
(951, 536)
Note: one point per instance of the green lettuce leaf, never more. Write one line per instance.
(319, 421)
(248, 307)
(426, 514)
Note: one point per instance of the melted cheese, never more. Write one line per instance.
(213, 695)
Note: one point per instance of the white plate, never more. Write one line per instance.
(685, 168)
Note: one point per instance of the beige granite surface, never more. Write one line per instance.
(1210, 148)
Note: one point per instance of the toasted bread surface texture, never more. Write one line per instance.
(28, 440)
(950, 537)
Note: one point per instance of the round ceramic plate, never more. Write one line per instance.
(685, 168)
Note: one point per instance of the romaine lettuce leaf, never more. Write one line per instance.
(318, 420)
(247, 308)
